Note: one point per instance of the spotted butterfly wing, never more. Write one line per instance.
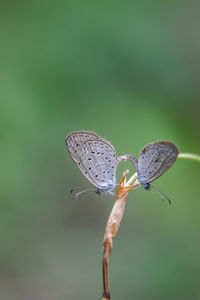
(100, 161)
(74, 142)
(84, 148)
(155, 159)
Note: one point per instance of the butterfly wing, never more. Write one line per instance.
(155, 159)
(80, 144)
(74, 142)
(100, 161)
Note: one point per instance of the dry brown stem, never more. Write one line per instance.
(112, 228)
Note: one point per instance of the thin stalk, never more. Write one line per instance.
(112, 228)
(191, 156)
(131, 179)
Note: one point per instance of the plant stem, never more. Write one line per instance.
(112, 228)
(190, 156)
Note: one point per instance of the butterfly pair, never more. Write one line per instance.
(97, 160)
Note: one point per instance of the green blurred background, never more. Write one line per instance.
(130, 72)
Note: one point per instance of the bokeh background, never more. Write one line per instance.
(130, 72)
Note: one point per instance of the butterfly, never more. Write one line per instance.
(96, 159)
(154, 160)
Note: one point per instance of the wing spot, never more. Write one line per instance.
(108, 172)
(102, 153)
(98, 152)
(90, 168)
(92, 152)
(109, 160)
(89, 158)
(106, 158)
(96, 175)
(112, 167)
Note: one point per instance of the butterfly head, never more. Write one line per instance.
(147, 186)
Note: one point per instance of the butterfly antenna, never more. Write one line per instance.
(74, 188)
(162, 195)
(84, 191)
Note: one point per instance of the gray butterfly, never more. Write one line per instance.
(95, 157)
(154, 160)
